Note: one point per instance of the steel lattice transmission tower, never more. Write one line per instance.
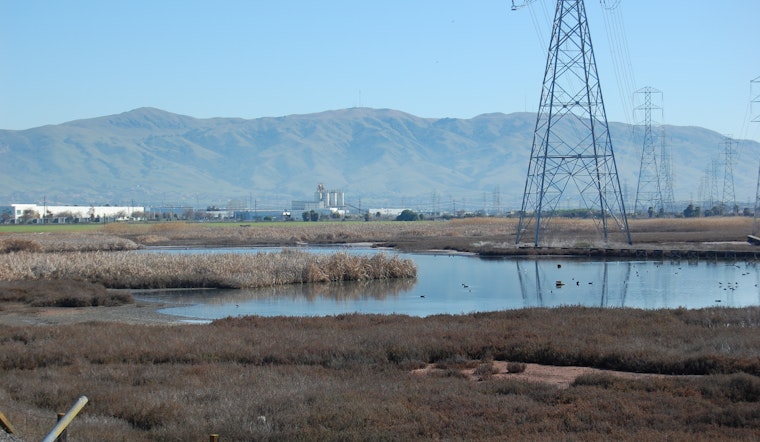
(728, 200)
(709, 186)
(755, 104)
(648, 189)
(754, 87)
(666, 175)
(572, 152)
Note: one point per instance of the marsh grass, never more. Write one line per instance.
(10, 245)
(679, 232)
(692, 230)
(64, 241)
(135, 270)
(348, 377)
(466, 234)
(60, 293)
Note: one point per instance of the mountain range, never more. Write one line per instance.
(377, 157)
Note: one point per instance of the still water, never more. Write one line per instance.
(454, 284)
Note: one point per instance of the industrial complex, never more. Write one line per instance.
(68, 214)
(326, 203)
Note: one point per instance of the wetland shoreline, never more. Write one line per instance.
(686, 374)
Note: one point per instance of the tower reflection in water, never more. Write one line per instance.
(542, 283)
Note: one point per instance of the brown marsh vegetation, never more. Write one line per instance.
(134, 270)
(350, 377)
(466, 234)
(59, 293)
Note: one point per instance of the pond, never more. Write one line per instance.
(457, 283)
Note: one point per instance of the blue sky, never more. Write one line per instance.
(68, 60)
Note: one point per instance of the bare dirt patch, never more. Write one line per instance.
(140, 313)
(562, 377)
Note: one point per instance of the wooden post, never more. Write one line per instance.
(213, 438)
(5, 424)
(66, 420)
(64, 436)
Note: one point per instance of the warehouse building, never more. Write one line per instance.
(34, 213)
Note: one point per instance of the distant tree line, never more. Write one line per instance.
(692, 211)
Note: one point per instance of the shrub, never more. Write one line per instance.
(61, 293)
(594, 380)
(739, 387)
(408, 215)
(19, 245)
(485, 370)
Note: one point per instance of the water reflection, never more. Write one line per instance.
(531, 274)
(455, 284)
(335, 291)
(640, 284)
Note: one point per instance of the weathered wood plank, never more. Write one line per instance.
(5, 424)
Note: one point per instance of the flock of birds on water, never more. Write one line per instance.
(728, 287)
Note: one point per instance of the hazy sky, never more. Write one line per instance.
(67, 60)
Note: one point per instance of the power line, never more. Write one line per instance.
(619, 54)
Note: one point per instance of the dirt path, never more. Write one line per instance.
(561, 377)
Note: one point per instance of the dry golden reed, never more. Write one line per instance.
(9, 245)
(64, 242)
(466, 234)
(174, 270)
(321, 232)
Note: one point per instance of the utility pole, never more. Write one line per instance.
(572, 153)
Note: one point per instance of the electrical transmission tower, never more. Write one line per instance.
(666, 175)
(648, 190)
(714, 171)
(572, 152)
(755, 109)
(728, 199)
(755, 104)
(497, 200)
(703, 189)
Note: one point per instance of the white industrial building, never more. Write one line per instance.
(32, 212)
(328, 201)
(385, 212)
